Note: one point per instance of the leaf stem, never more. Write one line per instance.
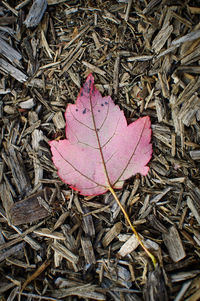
(132, 227)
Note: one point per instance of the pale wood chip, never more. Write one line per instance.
(141, 58)
(48, 233)
(45, 44)
(94, 68)
(96, 41)
(195, 154)
(186, 38)
(27, 104)
(64, 252)
(129, 246)
(58, 120)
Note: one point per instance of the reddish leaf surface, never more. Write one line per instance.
(100, 149)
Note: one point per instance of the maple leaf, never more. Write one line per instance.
(100, 150)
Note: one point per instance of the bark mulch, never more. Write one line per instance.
(54, 243)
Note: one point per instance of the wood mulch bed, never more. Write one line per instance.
(54, 243)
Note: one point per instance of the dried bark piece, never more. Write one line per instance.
(19, 173)
(164, 84)
(11, 70)
(88, 225)
(190, 57)
(111, 234)
(29, 210)
(36, 13)
(174, 244)
(37, 137)
(189, 109)
(88, 250)
(6, 199)
(156, 224)
(155, 287)
(160, 109)
(9, 52)
(189, 69)
(150, 6)
(85, 291)
(65, 253)
(118, 274)
(194, 206)
(161, 38)
(17, 248)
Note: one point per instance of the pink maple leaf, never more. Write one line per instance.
(100, 150)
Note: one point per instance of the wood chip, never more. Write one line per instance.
(174, 244)
(129, 246)
(58, 120)
(111, 234)
(88, 250)
(194, 206)
(161, 38)
(35, 13)
(28, 210)
(13, 71)
(64, 252)
(93, 68)
(9, 52)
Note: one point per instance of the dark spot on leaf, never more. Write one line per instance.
(81, 93)
(76, 110)
(86, 88)
(90, 82)
(84, 111)
(106, 103)
(99, 111)
(102, 104)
